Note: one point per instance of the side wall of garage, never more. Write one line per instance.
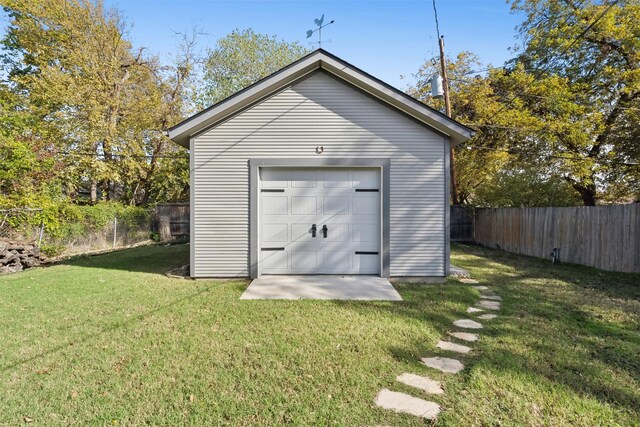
(319, 111)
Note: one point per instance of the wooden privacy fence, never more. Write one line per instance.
(171, 221)
(605, 237)
(461, 224)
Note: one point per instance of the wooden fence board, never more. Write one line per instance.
(605, 237)
(171, 221)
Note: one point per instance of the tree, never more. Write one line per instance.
(475, 101)
(109, 101)
(240, 59)
(584, 83)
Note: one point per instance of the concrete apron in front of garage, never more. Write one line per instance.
(365, 288)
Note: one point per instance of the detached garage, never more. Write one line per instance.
(319, 168)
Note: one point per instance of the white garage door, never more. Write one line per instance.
(319, 221)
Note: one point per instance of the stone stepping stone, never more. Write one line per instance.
(482, 288)
(451, 346)
(467, 323)
(474, 310)
(492, 297)
(488, 316)
(403, 403)
(465, 336)
(443, 364)
(490, 305)
(468, 281)
(425, 384)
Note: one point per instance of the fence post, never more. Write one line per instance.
(115, 230)
(41, 233)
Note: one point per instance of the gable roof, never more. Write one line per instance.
(318, 60)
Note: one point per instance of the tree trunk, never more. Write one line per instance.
(587, 192)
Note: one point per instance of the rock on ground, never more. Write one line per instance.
(425, 384)
(491, 305)
(468, 324)
(451, 346)
(488, 316)
(465, 336)
(474, 310)
(403, 403)
(443, 364)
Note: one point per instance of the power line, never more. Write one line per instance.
(554, 156)
(435, 12)
(136, 156)
(551, 98)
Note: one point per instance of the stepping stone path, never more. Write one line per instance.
(425, 384)
(407, 404)
(488, 316)
(491, 305)
(451, 346)
(465, 336)
(443, 364)
(467, 323)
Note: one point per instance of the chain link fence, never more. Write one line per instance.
(89, 233)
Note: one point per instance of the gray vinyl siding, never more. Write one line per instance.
(318, 110)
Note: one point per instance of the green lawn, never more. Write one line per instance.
(109, 340)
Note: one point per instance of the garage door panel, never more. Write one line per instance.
(335, 261)
(304, 260)
(303, 179)
(366, 205)
(336, 179)
(368, 179)
(335, 205)
(365, 264)
(335, 233)
(274, 205)
(274, 178)
(275, 233)
(301, 232)
(274, 260)
(304, 205)
(365, 232)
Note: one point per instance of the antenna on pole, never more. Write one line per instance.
(319, 23)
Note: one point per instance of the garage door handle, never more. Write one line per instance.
(324, 230)
(313, 230)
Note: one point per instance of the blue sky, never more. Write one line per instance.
(385, 38)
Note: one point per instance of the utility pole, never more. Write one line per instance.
(447, 109)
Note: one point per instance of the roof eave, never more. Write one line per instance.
(182, 132)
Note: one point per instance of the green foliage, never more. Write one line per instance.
(519, 188)
(241, 58)
(97, 106)
(52, 251)
(568, 105)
